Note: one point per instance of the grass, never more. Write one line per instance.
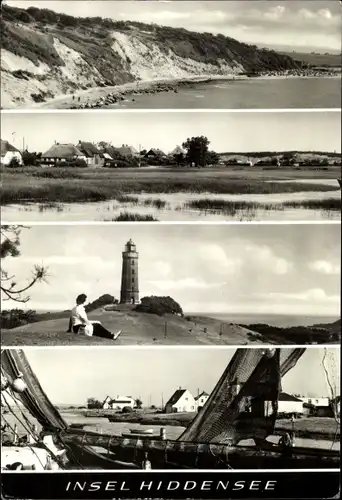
(234, 207)
(61, 185)
(127, 216)
(230, 207)
(330, 204)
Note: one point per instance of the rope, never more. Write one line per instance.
(30, 431)
(32, 449)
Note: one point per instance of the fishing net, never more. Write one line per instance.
(14, 364)
(244, 402)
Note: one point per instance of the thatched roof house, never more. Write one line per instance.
(126, 150)
(177, 151)
(155, 153)
(63, 152)
(9, 153)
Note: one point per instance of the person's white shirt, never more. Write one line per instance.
(79, 316)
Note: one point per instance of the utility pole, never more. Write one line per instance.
(165, 330)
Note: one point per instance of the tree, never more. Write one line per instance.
(179, 158)
(93, 403)
(31, 159)
(197, 150)
(138, 403)
(213, 158)
(10, 290)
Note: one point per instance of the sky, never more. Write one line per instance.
(253, 269)
(236, 132)
(151, 373)
(302, 25)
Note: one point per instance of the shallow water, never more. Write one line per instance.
(174, 209)
(102, 425)
(253, 93)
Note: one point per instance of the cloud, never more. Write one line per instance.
(312, 295)
(324, 267)
(264, 257)
(184, 284)
(217, 257)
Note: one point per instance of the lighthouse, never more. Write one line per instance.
(129, 278)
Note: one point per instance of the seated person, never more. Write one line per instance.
(79, 322)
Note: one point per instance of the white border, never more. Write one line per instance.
(171, 110)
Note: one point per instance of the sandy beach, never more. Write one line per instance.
(100, 97)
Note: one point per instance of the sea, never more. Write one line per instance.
(275, 93)
(278, 320)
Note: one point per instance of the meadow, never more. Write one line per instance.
(65, 185)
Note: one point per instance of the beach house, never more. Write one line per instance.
(61, 153)
(287, 405)
(92, 154)
(181, 401)
(118, 403)
(201, 399)
(10, 153)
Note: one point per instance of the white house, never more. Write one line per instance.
(9, 152)
(287, 404)
(118, 403)
(316, 401)
(201, 399)
(181, 401)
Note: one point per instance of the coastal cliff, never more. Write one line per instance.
(45, 55)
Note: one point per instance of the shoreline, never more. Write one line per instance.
(103, 97)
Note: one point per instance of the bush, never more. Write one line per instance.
(14, 163)
(104, 300)
(127, 409)
(16, 317)
(159, 306)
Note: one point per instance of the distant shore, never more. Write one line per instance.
(101, 97)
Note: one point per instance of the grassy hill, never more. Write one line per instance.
(137, 328)
(47, 54)
(150, 329)
(315, 59)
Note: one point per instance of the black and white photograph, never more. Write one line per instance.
(171, 55)
(179, 166)
(170, 409)
(170, 247)
(243, 284)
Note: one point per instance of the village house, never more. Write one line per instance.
(92, 154)
(155, 154)
(9, 153)
(178, 151)
(181, 401)
(287, 405)
(316, 401)
(127, 151)
(61, 153)
(118, 403)
(201, 399)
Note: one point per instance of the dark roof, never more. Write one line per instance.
(175, 397)
(62, 151)
(6, 146)
(157, 152)
(88, 148)
(283, 396)
(120, 400)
